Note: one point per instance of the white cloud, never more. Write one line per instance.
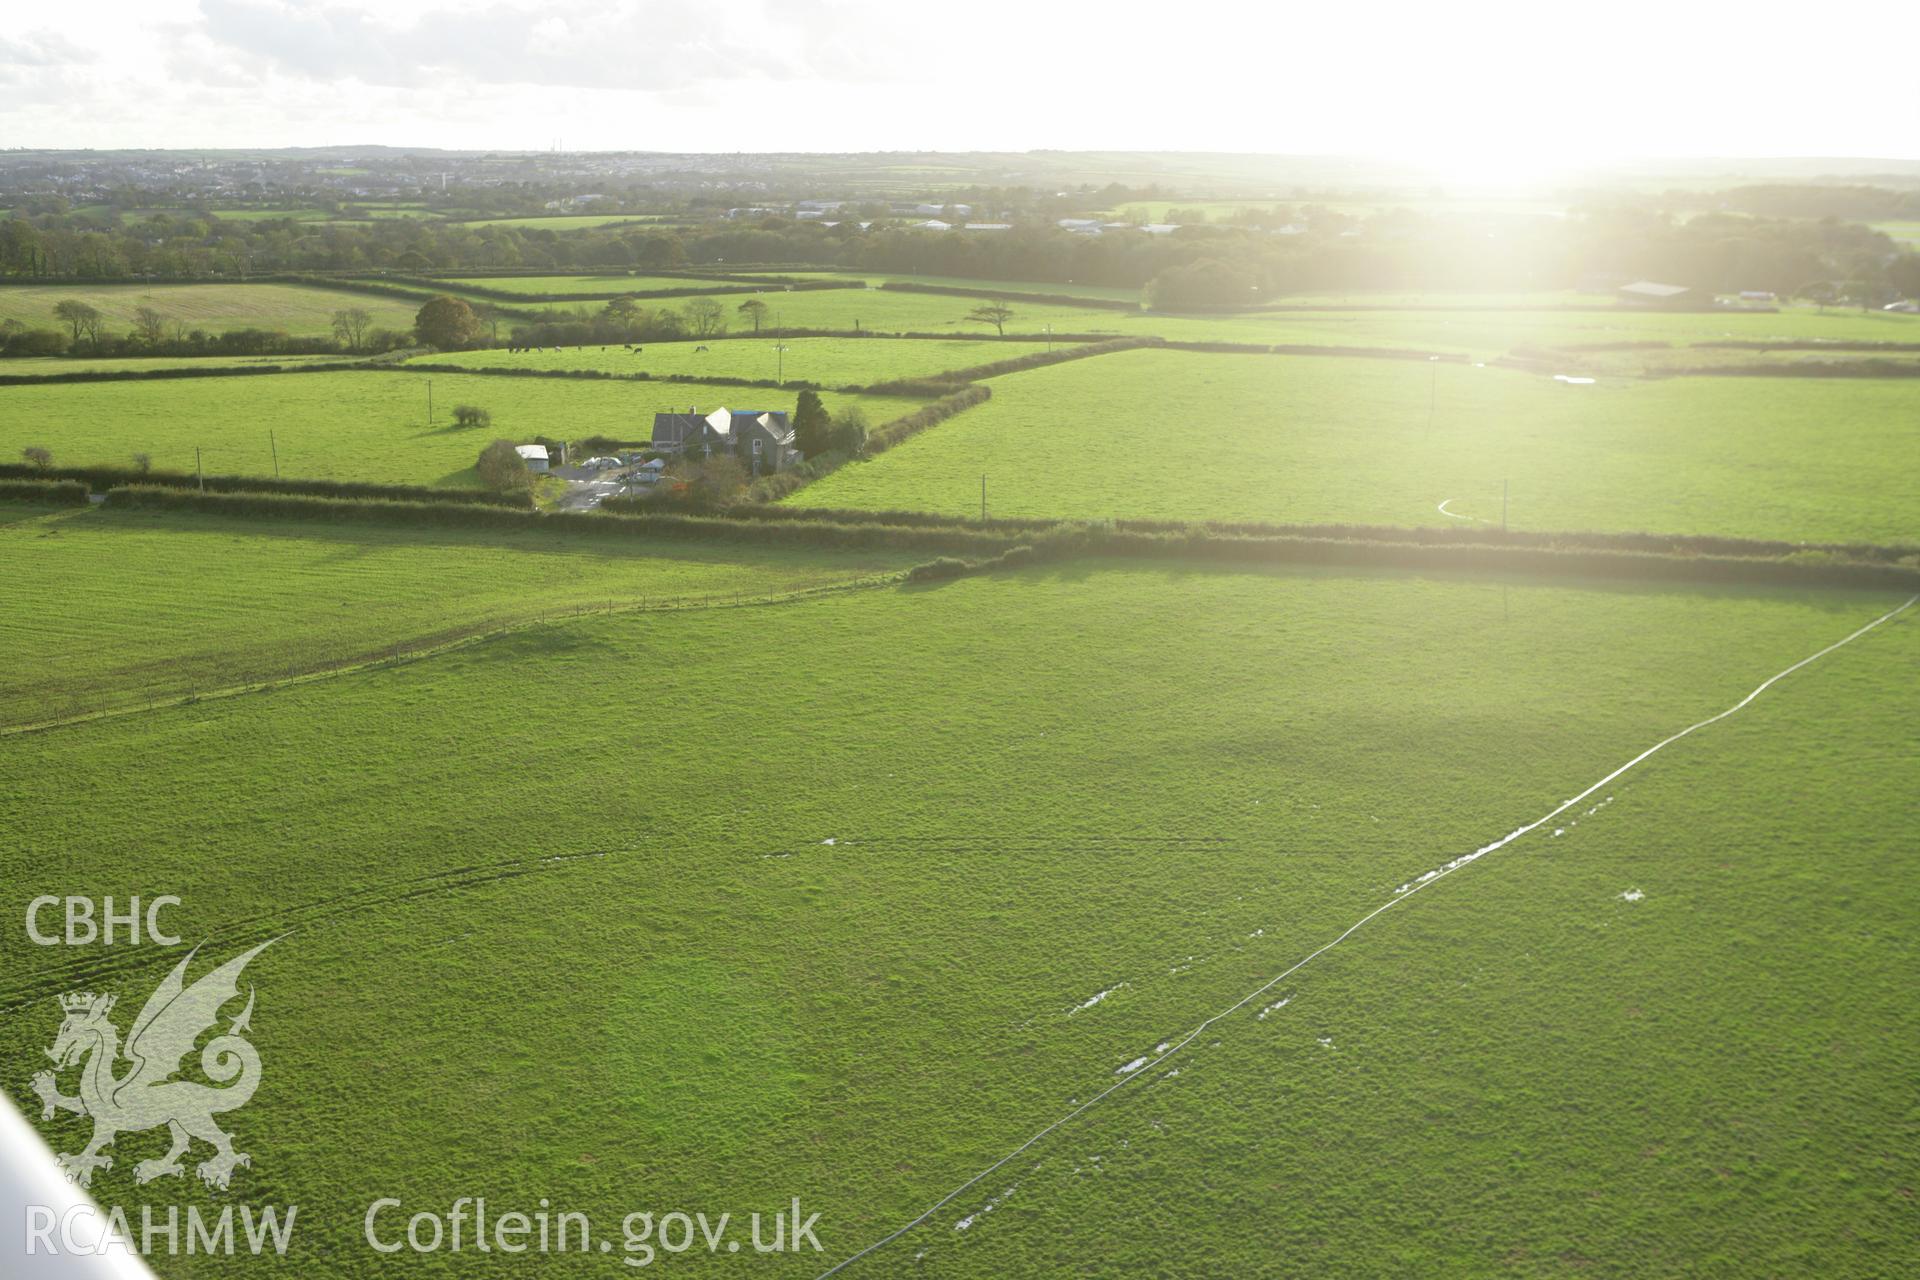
(1481, 83)
(41, 48)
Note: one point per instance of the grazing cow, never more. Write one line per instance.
(698, 350)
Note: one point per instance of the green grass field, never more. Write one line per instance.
(131, 607)
(612, 284)
(348, 426)
(575, 917)
(875, 279)
(565, 221)
(828, 361)
(1482, 333)
(298, 309)
(887, 312)
(1492, 332)
(270, 215)
(1179, 435)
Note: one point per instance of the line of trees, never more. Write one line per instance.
(1315, 248)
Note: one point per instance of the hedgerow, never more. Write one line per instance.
(1068, 541)
(603, 375)
(150, 375)
(1437, 535)
(100, 479)
(54, 493)
(479, 516)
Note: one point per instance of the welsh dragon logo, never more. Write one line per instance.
(147, 1095)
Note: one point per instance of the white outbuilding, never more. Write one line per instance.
(534, 455)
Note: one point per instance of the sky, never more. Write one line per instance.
(1494, 90)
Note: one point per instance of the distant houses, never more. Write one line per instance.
(761, 439)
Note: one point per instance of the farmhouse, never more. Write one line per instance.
(1648, 293)
(762, 439)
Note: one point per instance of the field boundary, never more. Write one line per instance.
(1665, 544)
(1072, 541)
(1403, 894)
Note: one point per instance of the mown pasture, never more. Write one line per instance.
(302, 310)
(1293, 439)
(1479, 330)
(270, 215)
(831, 362)
(354, 425)
(611, 284)
(886, 311)
(754, 935)
(565, 221)
(117, 608)
(873, 279)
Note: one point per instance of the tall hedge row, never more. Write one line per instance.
(1434, 535)
(1064, 541)
(443, 515)
(157, 375)
(103, 478)
(54, 493)
(889, 434)
(638, 375)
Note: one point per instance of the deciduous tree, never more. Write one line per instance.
(848, 434)
(149, 326)
(706, 318)
(502, 468)
(81, 320)
(350, 326)
(994, 313)
(446, 322)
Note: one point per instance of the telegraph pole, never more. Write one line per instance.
(275, 446)
(780, 363)
(198, 474)
(429, 401)
(983, 498)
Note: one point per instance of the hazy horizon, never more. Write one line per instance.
(1496, 92)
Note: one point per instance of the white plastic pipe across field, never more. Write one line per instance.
(1401, 895)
